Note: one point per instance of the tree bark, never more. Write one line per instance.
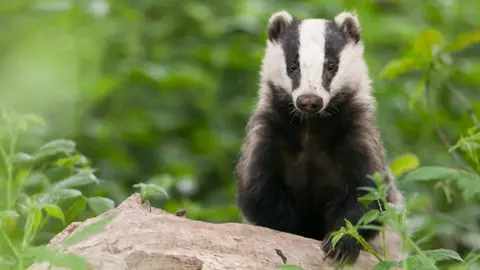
(143, 237)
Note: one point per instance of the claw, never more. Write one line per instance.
(328, 254)
(346, 250)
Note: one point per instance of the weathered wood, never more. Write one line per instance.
(143, 237)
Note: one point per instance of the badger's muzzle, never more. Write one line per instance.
(309, 103)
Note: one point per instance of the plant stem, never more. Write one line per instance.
(419, 250)
(384, 239)
(28, 230)
(9, 176)
(9, 167)
(369, 248)
(12, 247)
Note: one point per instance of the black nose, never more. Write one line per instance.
(309, 103)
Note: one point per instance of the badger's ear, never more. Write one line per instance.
(277, 24)
(349, 24)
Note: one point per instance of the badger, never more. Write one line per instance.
(312, 139)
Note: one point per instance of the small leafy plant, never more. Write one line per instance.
(40, 189)
(394, 218)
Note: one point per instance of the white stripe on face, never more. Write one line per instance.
(312, 54)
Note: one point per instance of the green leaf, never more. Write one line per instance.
(65, 193)
(85, 232)
(289, 267)
(55, 211)
(60, 144)
(463, 40)
(466, 181)
(349, 225)
(371, 227)
(368, 217)
(36, 179)
(100, 204)
(404, 164)
(151, 190)
(420, 262)
(397, 67)
(82, 178)
(426, 41)
(443, 255)
(75, 209)
(386, 265)
(367, 199)
(61, 194)
(21, 176)
(37, 218)
(22, 159)
(72, 161)
(336, 237)
(371, 190)
(429, 173)
(377, 178)
(52, 256)
(56, 147)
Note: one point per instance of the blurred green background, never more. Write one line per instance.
(160, 91)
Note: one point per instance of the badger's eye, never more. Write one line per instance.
(292, 67)
(330, 66)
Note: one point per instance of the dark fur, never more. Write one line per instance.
(308, 187)
(302, 176)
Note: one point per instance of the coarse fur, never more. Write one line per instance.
(299, 171)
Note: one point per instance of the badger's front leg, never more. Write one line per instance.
(260, 193)
(359, 167)
(347, 248)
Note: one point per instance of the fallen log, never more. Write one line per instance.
(144, 237)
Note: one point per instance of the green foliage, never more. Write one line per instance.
(393, 217)
(288, 267)
(88, 230)
(52, 256)
(465, 180)
(157, 95)
(100, 204)
(404, 163)
(30, 198)
(150, 190)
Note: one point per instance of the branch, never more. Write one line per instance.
(144, 237)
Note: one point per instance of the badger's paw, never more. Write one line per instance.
(346, 250)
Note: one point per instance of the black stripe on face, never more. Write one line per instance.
(291, 44)
(335, 41)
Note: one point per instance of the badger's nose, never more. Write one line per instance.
(309, 103)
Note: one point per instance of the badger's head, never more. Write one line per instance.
(315, 61)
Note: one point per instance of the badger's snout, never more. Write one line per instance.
(309, 103)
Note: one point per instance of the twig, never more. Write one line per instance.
(280, 253)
